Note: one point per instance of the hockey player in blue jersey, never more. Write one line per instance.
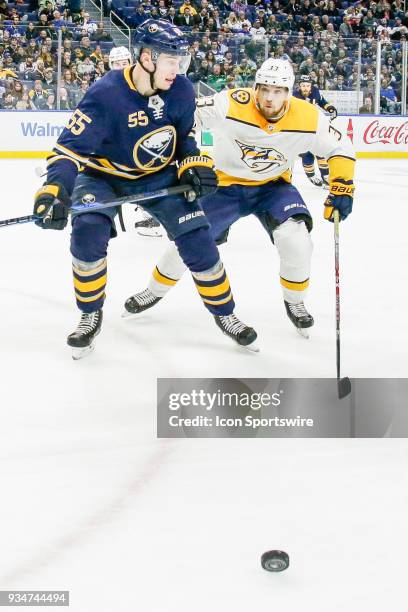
(131, 133)
(309, 92)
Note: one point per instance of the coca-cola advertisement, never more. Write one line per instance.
(376, 136)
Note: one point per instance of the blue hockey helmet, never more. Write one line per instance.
(161, 36)
(305, 78)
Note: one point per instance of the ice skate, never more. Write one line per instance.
(81, 340)
(316, 180)
(243, 335)
(300, 318)
(139, 303)
(148, 226)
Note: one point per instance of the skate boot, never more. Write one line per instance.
(299, 316)
(243, 335)
(148, 226)
(325, 183)
(81, 340)
(139, 302)
(316, 180)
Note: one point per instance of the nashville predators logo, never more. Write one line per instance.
(155, 150)
(260, 159)
(241, 96)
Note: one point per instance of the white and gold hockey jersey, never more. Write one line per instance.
(249, 150)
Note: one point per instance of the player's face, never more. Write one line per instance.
(120, 64)
(305, 88)
(167, 68)
(271, 100)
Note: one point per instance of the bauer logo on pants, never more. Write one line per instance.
(193, 215)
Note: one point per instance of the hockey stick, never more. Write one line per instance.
(343, 384)
(96, 206)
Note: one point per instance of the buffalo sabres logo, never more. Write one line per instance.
(260, 159)
(156, 149)
(153, 28)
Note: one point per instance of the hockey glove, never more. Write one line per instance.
(340, 197)
(198, 171)
(332, 111)
(51, 204)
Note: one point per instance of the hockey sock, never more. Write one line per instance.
(324, 168)
(294, 245)
(89, 283)
(309, 169)
(214, 289)
(168, 271)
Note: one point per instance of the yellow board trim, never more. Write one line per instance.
(294, 286)
(90, 285)
(214, 291)
(162, 279)
(23, 154)
(382, 154)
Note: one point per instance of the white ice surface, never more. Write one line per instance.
(91, 501)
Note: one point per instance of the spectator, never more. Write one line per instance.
(24, 103)
(187, 4)
(187, 19)
(232, 22)
(100, 33)
(368, 107)
(49, 102)
(37, 95)
(345, 30)
(86, 67)
(64, 101)
(216, 79)
(8, 102)
(388, 98)
(49, 80)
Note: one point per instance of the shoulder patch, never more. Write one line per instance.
(241, 96)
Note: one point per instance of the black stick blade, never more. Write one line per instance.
(343, 387)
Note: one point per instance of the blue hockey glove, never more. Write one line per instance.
(51, 204)
(198, 171)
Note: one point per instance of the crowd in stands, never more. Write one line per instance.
(29, 58)
(333, 41)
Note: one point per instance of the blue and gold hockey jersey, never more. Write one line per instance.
(315, 97)
(118, 132)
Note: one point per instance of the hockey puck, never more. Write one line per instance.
(275, 561)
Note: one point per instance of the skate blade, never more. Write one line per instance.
(129, 315)
(151, 234)
(252, 348)
(302, 331)
(81, 352)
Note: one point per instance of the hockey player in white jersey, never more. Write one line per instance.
(119, 58)
(258, 134)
